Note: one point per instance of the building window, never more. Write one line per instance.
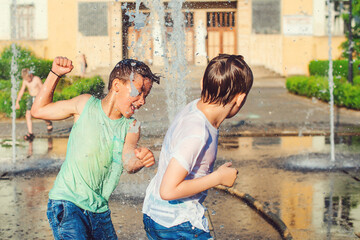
(340, 210)
(93, 18)
(337, 8)
(188, 19)
(266, 16)
(24, 23)
(220, 19)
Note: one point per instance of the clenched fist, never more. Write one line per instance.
(145, 156)
(227, 174)
(61, 66)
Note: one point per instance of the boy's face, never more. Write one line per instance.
(133, 94)
(28, 78)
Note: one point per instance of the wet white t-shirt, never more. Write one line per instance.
(192, 141)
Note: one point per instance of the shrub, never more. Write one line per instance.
(22, 53)
(5, 85)
(340, 68)
(356, 80)
(25, 59)
(6, 104)
(5, 68)
(345, 94)
(94, 86)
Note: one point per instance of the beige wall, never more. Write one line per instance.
(299, 51)
(290, 55)
(296, 7)
(62, 28)
(267, 50)
(321, 49)
(287, 55)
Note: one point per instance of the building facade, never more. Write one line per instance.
(282, 35)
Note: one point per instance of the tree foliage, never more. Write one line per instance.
(355, 31)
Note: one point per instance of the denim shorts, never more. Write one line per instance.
(68, 221)
(182, 231)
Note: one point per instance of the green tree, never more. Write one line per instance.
(355, 31)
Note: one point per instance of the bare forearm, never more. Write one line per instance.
(134, 166)
(21, 93)
(45, 96)
(188, 188)
(174, 184)
(19, 97)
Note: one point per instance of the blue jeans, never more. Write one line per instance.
(68, 221)
(182, 231)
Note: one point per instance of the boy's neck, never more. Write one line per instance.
(108, 106)
(214, 113)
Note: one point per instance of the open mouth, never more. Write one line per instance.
(133, 107)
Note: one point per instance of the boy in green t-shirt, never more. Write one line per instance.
(102, 142)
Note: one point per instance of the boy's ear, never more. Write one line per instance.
(116, 84)
(240, 99)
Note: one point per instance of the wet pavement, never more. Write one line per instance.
(278, 142)
(270, 110)
(299, 196)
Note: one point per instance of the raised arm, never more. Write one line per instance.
(45, 108)
(174, 186)
(134, 157)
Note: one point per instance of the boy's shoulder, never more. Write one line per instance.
(191, 124)
(81, 101)
(36, 78)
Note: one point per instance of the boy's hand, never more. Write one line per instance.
(62, 65)
(17, 105)
(145, 156)
(227, 174)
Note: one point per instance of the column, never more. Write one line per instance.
(243, 28)
(158, 43)
(200, 38)
(115, 20)
(319, 18)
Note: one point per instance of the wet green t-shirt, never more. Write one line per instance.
(93, 164)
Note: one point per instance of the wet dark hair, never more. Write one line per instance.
(124, 68)
(225, 77)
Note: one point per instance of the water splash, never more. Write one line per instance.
(168, 48)
(133, 91)
(171, 46)
(135, 128)
(138, 18)
(14, 87)
(332, 142)
(178, 66)
(331, 87)
(138, 48)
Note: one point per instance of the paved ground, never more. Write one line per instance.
(269, 110)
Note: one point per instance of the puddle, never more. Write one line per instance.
(313, 203)
(40, 153)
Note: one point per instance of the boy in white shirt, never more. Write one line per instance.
(173, 202)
